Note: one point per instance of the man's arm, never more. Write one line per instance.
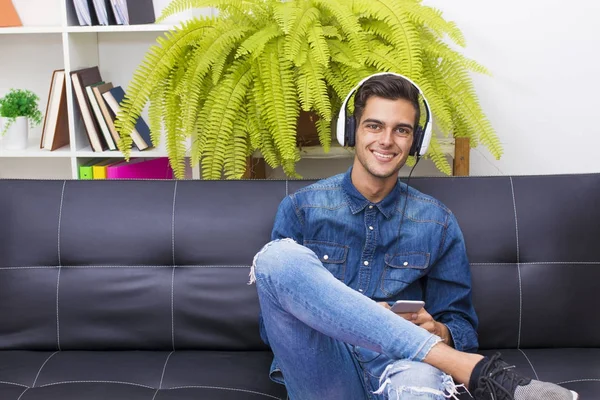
(448, 290)
(287, 221)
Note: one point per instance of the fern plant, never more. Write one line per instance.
(235, 83)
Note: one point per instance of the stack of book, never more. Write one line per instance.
(137, 168)
(114, 12)
(99, 103)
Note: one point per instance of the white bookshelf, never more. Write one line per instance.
(51, 39)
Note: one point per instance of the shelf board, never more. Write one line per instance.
(119, 28)
(33, 151)
(88, 152)
(30, 30)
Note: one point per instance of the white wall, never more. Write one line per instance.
(545, 91)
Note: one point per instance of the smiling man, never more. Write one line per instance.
(345, 248)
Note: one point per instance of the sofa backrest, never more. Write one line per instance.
(164, 264)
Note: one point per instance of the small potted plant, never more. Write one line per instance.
(18, 110)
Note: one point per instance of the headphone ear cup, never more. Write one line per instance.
(417, 142)
(350, 131)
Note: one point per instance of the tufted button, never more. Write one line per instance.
(366, 263)
(325, 257)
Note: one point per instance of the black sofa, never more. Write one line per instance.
(138, 289)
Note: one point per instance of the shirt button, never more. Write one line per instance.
(405, 263)
(360, 290)
(325, 257)
(370, 207)
(371, 228)
(366, 263)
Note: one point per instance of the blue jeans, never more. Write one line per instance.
(331, 342)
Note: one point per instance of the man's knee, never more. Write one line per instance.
(277, 256)
(411, 379)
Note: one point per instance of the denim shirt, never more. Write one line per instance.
(364, 245)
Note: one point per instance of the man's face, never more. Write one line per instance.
(384, 136)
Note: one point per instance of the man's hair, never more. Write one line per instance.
(391, 87)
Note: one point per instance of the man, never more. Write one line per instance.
(345, 248)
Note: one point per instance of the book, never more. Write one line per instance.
(109, 116)
(86, 170)
(55, 130)
(80, 79)
(154, 168)
(141, 132)
(86, 13)
(99, 169)
(99, 117)
(8, 14)
(104, 12)
(134, 12)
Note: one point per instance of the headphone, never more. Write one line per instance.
(346, 125)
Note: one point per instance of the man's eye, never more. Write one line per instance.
(372, 126)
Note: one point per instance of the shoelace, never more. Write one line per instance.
(493, 377)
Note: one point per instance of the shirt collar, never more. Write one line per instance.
(358, 202)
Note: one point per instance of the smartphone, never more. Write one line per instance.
(408, 306)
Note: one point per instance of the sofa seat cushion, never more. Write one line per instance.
(132, 375)
(576, 369)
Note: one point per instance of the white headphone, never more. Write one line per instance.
(346, 125)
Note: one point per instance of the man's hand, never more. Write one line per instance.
(426, 321)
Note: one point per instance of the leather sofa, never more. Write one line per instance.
(138, 289)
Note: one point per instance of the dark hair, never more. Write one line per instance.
(390, 87)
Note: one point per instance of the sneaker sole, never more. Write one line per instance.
(575, 395)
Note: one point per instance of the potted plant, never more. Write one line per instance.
(236, 82)
(18, 110)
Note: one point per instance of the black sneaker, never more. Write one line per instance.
(498, 381)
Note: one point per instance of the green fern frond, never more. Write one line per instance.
(216, 45)
(336, 79)
(239, 148)
(348, 23)
(306, 17)
(437, 49)
(255, 44)
(324, 132)
(382, 57)
(434, 90)
(302, 55)
(177, 6)
(156, 66)
(405, 36)
(342, 53)
(280, 111)
(431, 18)
(331, 32)
(463, 98)
(312, 89)
(229, 102)
(286, 14)
(318, 44)
(175, 137)
(438, 157)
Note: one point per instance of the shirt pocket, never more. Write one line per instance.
(401, 270)
(332, 256)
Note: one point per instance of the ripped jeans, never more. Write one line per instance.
(331, 342)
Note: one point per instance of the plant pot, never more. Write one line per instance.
(17, 135)
(307, 134)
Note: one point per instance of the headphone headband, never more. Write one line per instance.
(343, 135)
